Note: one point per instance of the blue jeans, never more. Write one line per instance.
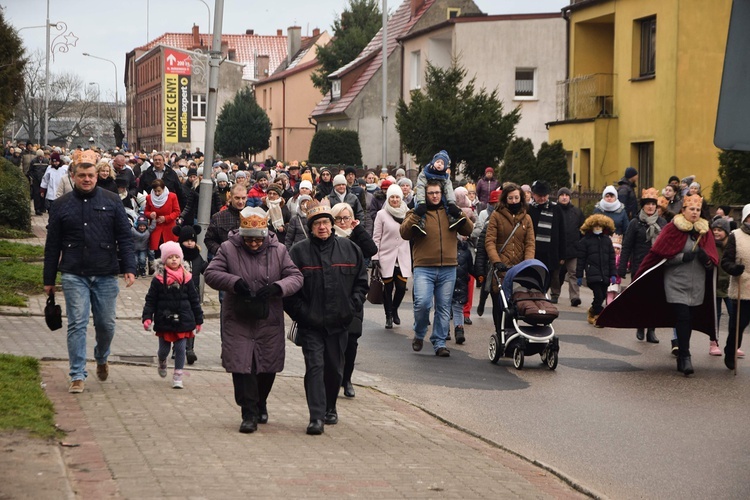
(433, 283)
(83, 294)
(141, 259)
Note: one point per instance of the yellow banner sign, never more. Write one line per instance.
(171, 108)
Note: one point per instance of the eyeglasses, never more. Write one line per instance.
(342, 219)
(432, 193)
(255, 240)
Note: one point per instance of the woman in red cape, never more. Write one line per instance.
(674, 286)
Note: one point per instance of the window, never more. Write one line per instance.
(416, 70)
(644, 152)
(648, 47)
(270, 102)
(453, 13)
(335, 89)
(265, 95)
(199, 105)
(525, 83)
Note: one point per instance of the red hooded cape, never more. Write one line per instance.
(644, 303)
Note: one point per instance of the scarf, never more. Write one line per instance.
(342, 233)
(653, 229)
(340, 196)
(159, 201)
(179, 275)
(609, 206)
(397, 213)
(543, 230)
(274, 211)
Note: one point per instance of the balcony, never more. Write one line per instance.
(585, 97)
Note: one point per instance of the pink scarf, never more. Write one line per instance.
(179, 275)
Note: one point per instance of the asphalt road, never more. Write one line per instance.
(615, 416)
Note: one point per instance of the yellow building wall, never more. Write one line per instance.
(676, 110)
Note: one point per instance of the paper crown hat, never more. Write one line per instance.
(692, 200)
(253, 222)
(316, 210)
(650, 194)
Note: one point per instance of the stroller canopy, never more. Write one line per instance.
(532, 274)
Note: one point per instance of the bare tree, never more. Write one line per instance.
(72, 105)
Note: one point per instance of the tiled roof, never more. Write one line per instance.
(399, 25)
(307, 45)
(246, 47)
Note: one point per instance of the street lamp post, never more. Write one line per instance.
(98, 114)
(117, 99)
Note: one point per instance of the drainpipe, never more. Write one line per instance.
(310, 121)
(566, 16)
(283, 118)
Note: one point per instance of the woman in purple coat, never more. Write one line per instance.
(255, 271)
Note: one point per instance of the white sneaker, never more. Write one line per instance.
(740, 353)
(177, 379)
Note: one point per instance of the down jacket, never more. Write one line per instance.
(438, 247)
(520, 247)
(92, 232)
(463, 272)
(596, 255)
(179, 300)
(252, 345)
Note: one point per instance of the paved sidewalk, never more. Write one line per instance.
(134, 436)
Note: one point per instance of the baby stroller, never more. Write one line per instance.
(525, 320)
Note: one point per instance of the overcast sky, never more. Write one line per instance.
(111, 32)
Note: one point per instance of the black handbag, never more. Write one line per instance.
(52, 313)
(254, 308)
(376, 292)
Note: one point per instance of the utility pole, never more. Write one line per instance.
(207, 185)
(385, 85)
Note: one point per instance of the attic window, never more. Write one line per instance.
(335, 89)
(453, 13)
(232, 55)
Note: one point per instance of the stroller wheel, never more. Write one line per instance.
(494, 351)
(518, 358)
(552, 360)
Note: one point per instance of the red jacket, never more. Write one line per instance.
(171, 212)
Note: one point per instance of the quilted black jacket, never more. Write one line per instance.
(92, 232)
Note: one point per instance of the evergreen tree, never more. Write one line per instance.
(733, 185)
(519, 164)
(552, 165)
(468, 123)
(332, 146)
(351, 33)
(12, 62)
(242, 128)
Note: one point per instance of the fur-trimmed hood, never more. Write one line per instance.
(601, 220)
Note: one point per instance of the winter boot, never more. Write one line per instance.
(591, 318)
(460, 337)
(651, 336)
(685, 365)
(639, 334)
(456, 222)
(396, 319)
(419, 227)
(190, 351)
(388, 321)
(675, 347)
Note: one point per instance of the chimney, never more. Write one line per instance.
(279, 32)
(249, 32)
(293, 42)
(196, 36)
(415, 6)
(316, 31)
(261, 67)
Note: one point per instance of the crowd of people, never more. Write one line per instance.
(294, 239)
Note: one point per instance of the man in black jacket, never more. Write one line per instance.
(159, 171)
(573, 218)
(334, 290)
(88, 241)
(549, 228)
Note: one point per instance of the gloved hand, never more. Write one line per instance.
(736, 269)
(241, 288)
(147, 324)
(579, 281)
(688, 257)
(421, 209)
(198, 328)
(703, 256)
(500, 267)
(454, 211)
(612, 280)
(268, 291)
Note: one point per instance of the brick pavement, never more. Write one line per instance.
(136, 437)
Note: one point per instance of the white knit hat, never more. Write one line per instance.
(609, 190)
(745, 212)
(338, 180)
(306, 184)
(394, 190)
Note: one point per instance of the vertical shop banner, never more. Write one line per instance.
(176, 96)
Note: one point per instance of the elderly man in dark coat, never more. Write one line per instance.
(333, 293)
(549, 228)
(255, 272)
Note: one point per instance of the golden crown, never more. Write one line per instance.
(650, 194)
(692, 200)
